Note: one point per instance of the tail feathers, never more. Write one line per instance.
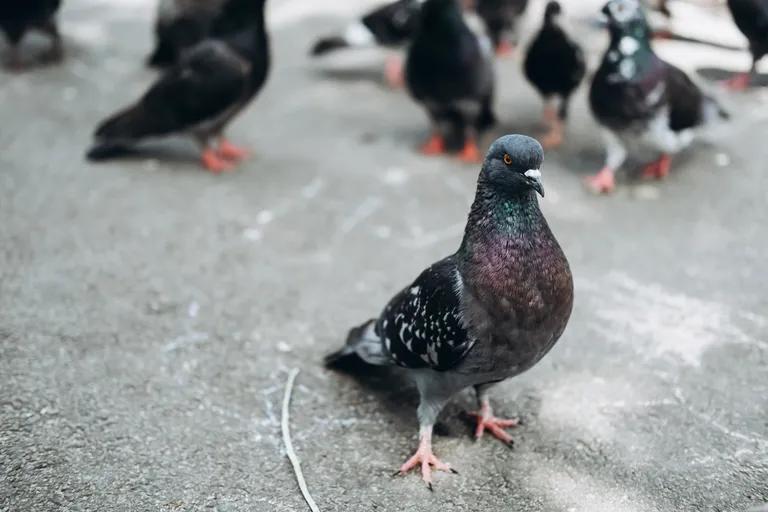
(363, 347)
(105, 149)
(328, 45)
(118, 133)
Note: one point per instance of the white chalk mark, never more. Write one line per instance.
(193, 309)
(295, 462)
(184, 340)
(313, 188)
(368, 207)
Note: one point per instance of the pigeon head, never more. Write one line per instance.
(513, 165)
(552, 11)
(626, 17)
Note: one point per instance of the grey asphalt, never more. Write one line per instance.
(150, 311)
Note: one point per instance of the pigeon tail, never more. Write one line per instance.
(363, 347)
(328, 45)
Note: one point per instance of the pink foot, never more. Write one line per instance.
(214, 163)
(470, 153)
(229, 151)
(393, 72)
(434, 146)
(487, 421)
(426, 460)
(659, 169)
(504, 48)
(602, 182)
(739, 82)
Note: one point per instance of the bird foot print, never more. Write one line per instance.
(601, 183)
(214, 163)
(434, 146)
(504, 48)
(739, 82)
(470, 153)
(426, 460)
(494, 425)
(393, 72)
(229, 151)
(657, 170)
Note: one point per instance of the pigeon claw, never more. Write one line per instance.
(487, 421)
(214, 163)
(426, 461)
(601, 183)
(230, 152)
(739, 82)
(659, 169)
(393, 72)
(470, 153)
(434, 146)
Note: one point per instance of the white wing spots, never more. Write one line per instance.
(655, 95)
(627, 69)
(613, 56)
(628, 46)
(415, 290)
(432, 354)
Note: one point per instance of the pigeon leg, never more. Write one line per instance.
(487, 421)
(658, 169)
(213, 162)
(434, 146)
(504, 48)
(230, 152)
(393, 71)
(739, 82)
(470, 153)
(424, 458)
(602, 182)
(554, 137)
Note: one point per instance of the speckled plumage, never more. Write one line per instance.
(492, 309)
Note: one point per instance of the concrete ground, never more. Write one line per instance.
(150, 311)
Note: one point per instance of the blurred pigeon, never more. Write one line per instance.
(554, 65)
(390, 25)
(212, 82)
(179, 25)
(486, 313)
(502, 17)
(18, 16)
(639, 98)
(751, 16)
(449, 69)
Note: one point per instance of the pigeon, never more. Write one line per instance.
(488, 312)
(181, 24)
(211, 83)
(18, 16)
(449, 69)
(390, 25)
(501, 17)
(555, 66)
(638, 98)
(751, 16)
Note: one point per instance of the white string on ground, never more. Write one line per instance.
(295, 462)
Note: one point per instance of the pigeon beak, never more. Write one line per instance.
(534, 180)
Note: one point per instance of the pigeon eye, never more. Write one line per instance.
(507, 159)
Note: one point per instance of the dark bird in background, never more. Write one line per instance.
(502, 18)
(486, 313)
(449, 70)
(751, 16)
(19, 16)
(179, 25)
(642, 100)
(211, 83)
(391, 25)
(555, 66)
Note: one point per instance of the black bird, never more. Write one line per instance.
(751, 16)
(640, 99)
(449, 69)
(390, 25)
(486, 313)
(502, 18)
(555, 66)
(179, 25)
(18, 16)
(212, 82)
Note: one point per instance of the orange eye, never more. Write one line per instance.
(507, 159)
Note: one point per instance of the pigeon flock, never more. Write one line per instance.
(496, 306)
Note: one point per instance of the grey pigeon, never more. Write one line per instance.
(487, 312)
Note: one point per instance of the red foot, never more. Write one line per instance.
(393, 72)
(658, 169)
(229, 151)
(602, 182)
(739, 82)
(470, 152)
(426, 460)
(434, 146)
(214, 163)
(504, 48)
(496, 426)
